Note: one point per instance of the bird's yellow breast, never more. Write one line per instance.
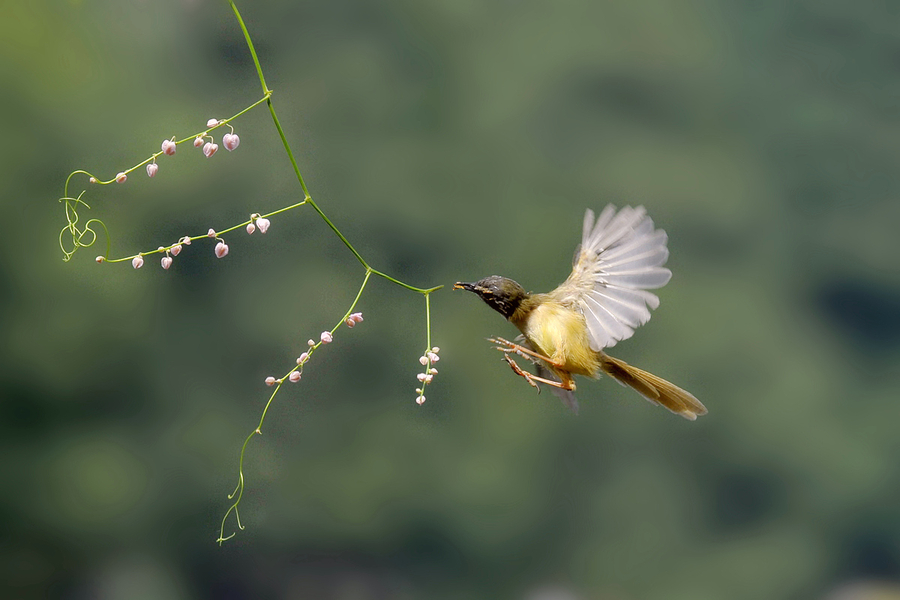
(560, 333)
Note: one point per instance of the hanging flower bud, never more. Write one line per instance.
(99, 259)
(270, 380)
(303, 358)
(137, 262)
(263, 224)
(198, 141)
(212, 123)
(350, 323)
(169, 147)
(211, 232)
(152, 168)
(210, 148)
(326, 337)
(176, 250)
(186, 240)
(420, 400)
(166, 262)
(221, 249)
(294, 376)
(251, 227)
(121, 177)
(230, 141)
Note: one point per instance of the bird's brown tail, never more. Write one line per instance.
(653, 388)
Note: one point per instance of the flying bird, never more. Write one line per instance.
(605, 298)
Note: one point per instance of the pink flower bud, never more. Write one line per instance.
(212, 123)
(421, 376)
(99, 259)
(270, 380)
(294, 376)
(137, 262)
(221, 249)
(209, 149)
(357, 316)
(435, 349)
(432, 371)
(350, 323)
(152, 168)
(93, 180)
(230, 141)
(433, 357)
(263, 224)
(310, 343)
(168, 147)
(420, 400)
(423, 360)
(121, 177)
(166, 262)
(198, 141)
(186, 240)
(251, 227)
(211, 232)
(303, 358)
(326, 337)
(176, 250)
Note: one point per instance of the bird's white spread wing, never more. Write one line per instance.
(621, 256)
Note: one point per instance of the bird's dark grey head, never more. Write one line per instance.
(501, 293)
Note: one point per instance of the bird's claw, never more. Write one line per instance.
(519, 371)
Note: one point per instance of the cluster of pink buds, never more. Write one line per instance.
(166, 261)
(427, 360)
(326, 337)
(230, 140)
(258, 222)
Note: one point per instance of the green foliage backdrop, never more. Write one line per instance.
(451, 140)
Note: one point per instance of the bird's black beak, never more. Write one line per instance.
(464, 286)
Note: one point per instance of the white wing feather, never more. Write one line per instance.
(621, 256)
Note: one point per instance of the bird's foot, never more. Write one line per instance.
(518, 371)
(506, 346)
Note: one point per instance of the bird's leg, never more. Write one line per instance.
(505, 346)
(518, 371)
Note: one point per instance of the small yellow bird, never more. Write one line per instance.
(565, 331)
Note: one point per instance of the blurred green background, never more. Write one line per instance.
(451, 140)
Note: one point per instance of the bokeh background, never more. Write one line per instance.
(451, 140)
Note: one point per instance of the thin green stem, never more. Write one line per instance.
(259, 71)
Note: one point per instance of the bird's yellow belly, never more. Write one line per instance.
(561, 334)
